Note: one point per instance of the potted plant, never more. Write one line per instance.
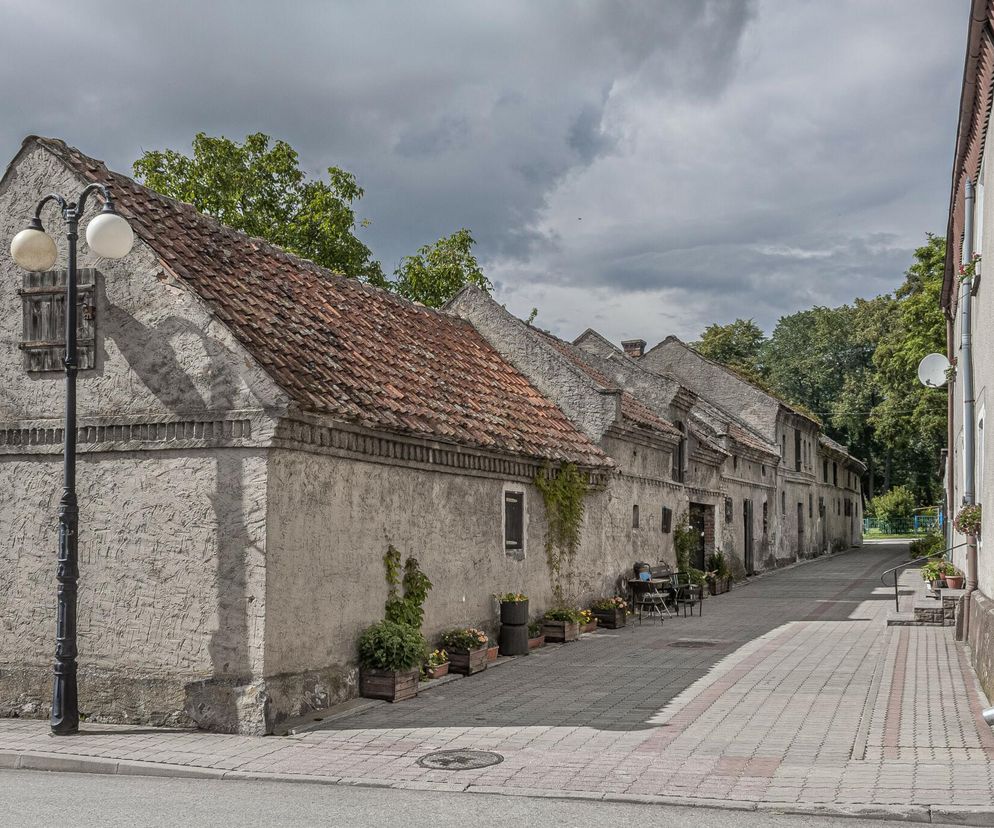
(954, 578)
(610, 612)
(535, 637)
(492, 649)
(587, 621)
(513, 608)
(718, 576)
(967, 520)
(932, 574)
(467, 649)
(561, 624)
(390, 656)
(436, 665)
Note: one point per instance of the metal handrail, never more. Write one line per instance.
(894, 569)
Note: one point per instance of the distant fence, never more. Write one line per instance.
(917, 525)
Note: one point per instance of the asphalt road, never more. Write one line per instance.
(37, 798)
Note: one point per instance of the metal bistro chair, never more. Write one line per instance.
(687, 594)
(649, 598)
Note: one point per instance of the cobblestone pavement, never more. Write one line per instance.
(789, 691)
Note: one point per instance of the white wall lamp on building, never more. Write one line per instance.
(110, 236)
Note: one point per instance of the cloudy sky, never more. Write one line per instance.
(644, 168)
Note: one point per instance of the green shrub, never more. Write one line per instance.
(897, 504)
(391, 646)
(534, 629)
(930, 544)
(717, 566)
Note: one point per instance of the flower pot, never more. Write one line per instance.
(515, 612)
(936, 585)
(467, 662)
(391, 685)
(492, 653)
(717, 586)
(560, 630)
(438, 672)
(536, 642)
(611, 619)
(514, 639)
(954, 581)
(589, 627)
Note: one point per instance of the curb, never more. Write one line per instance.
(935, 815)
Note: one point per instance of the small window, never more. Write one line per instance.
(635, 516)
(680, 455)
(729, 510)
(667, 519)
(797, 450)
(514, 521)
(811, 507)
(766, 518)
(783, 503)
(763, 469)
(735, 462)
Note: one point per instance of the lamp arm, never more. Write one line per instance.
(91, 188)
(63, 204)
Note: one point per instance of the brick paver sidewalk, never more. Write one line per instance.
(790, 692)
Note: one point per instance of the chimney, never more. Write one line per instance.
(634, 347)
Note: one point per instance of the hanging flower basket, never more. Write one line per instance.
(967, 520)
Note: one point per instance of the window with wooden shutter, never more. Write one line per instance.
(667, 519)
(514, 521)
(43, 303)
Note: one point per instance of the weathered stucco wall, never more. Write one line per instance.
(330, 522)
(171, 489)
(171, 592)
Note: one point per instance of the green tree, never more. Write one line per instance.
(910, 418)
(438, 271)
(258, 187)
(737, 344)
(897, 504)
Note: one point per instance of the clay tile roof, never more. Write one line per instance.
(341, 348)
(632, 409)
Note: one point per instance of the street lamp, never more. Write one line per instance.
(110, 236)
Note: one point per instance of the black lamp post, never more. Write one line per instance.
(110, 236)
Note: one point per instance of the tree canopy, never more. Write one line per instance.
(855, 366)
(258, 187)
(438, 271)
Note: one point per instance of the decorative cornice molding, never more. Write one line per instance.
(135, 432)
(353, 442)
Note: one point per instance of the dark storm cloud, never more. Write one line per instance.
(650, 165)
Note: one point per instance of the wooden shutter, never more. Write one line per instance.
(514, 520)
(43, 303)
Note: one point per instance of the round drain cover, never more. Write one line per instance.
(455, 760)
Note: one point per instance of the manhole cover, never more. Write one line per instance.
(459, 759)
(692, 643)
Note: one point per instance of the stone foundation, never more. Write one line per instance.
(982, 640)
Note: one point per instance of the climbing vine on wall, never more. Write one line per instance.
(408, 607)
(563, 495)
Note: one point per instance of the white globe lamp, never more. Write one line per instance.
(109, 235)
(33, 249)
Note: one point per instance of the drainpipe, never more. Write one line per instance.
(966, 371)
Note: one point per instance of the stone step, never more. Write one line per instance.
(905, 619)
(935, 613)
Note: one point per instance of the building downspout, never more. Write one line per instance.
(966, 373)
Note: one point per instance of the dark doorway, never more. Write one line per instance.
(747, 548)
(698, 514)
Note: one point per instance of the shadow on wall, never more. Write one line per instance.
(230, 700)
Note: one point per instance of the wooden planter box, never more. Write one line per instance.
(611, 619)
(589, 628)
(438, 672)
(467, 662)
(560, 630)
(492, 653)
(536, 642)
(717, 587)
(388, 684)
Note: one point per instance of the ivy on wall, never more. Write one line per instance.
(406, 608)
(563, 495)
